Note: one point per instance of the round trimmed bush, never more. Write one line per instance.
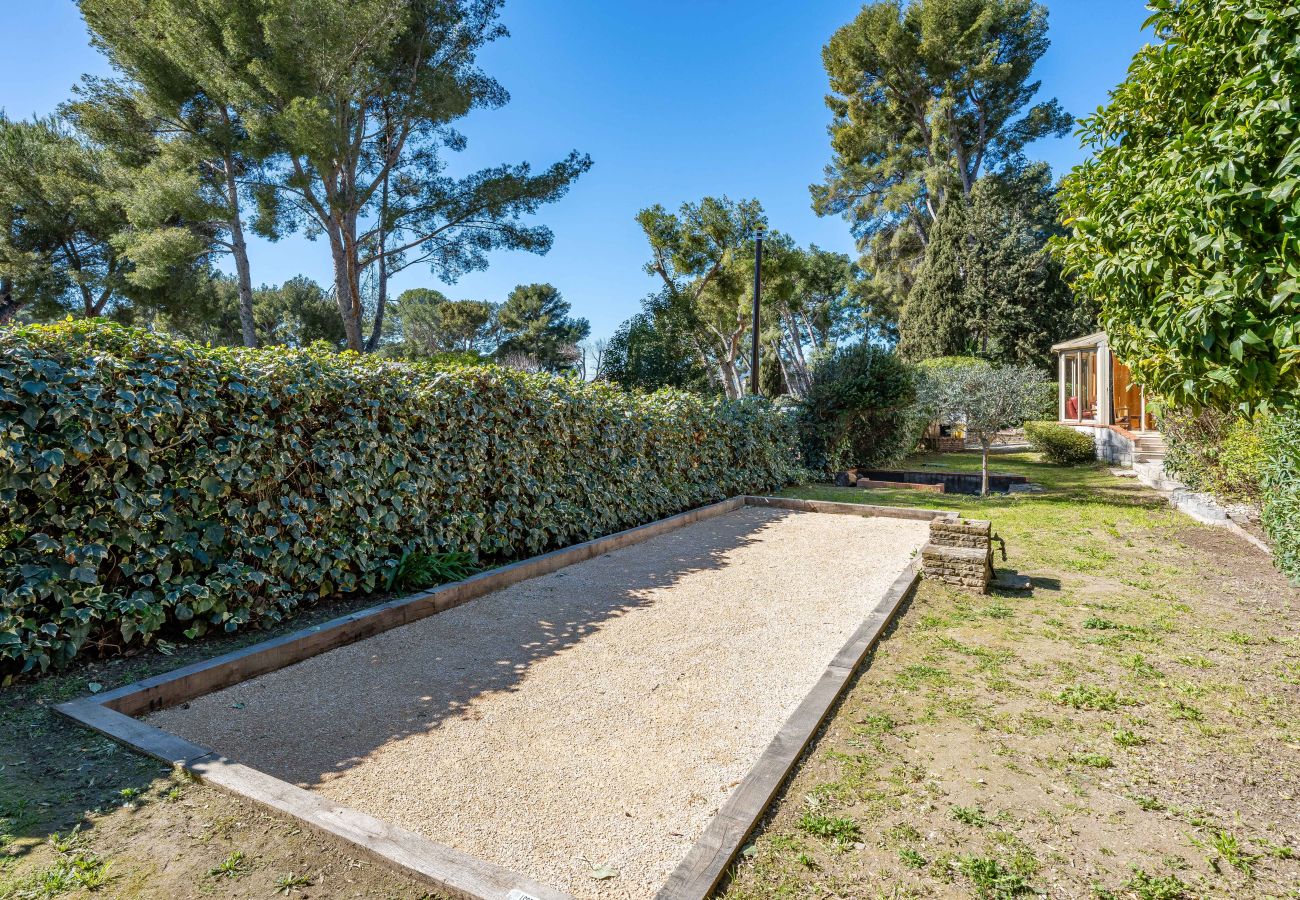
(858, 410)
(1059, 444)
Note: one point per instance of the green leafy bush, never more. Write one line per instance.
(857, 411)
(1281, 489)
(151, 487)
(1219, 453)
(1183, 218)
(423, 570)
(1059, 444)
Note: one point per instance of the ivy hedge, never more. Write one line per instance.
(150, 487)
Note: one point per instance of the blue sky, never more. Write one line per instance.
(674, 100)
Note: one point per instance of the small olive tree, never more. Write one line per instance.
(989, 399)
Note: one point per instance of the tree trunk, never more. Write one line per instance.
(803, 378)
(344, 295)
(376, 332)
(381, 300)
(730, 378)
(239, 247)
(984, 466)
(9, 304)
(243, 274)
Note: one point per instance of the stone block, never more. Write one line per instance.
(960, 552)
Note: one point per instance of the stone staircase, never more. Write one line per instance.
(1149, 447)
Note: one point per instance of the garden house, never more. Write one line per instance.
(1097, 393)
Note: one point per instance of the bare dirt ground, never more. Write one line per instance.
(1131, 729)
(593, 719)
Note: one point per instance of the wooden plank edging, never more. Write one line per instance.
(453, 871)
(708, 859)
(849, 509)
(113, 713)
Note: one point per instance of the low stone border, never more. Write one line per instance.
(459, 874)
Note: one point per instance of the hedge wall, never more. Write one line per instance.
(1281, 490)
(151, 487)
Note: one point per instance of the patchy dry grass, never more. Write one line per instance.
(1130, 729)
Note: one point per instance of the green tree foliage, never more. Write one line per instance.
(987, 399)
(160, 488)
(934, 322)
(537, 329)
(1018, 301)
(988, 284)
(653, 350)
(857, 409)
(297, 313)
(1185, 219)
(61, 198)
(926, 96)
(181, 117)
(703, 255)
(813, 299)
(364, 121)
(432, 325)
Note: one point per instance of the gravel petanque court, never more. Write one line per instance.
(582, 722)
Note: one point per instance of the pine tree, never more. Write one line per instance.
(934, 319)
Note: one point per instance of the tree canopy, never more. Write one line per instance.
(537, 328)
(988, 284)
(64, 221)
(182, 119)
(1184, 221)
(926, 96)
(987, 399)
(365, 123)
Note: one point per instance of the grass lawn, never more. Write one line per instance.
(1131, 729)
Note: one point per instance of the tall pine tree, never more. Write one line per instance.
(934, 320)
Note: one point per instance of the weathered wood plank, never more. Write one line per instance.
(133, 733)
(848, 509)
(707, 861)
(457, 873)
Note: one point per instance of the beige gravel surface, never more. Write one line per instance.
(594, 717)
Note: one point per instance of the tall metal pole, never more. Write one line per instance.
(754, 387)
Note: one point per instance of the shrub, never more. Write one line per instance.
(987, 400)
(1281, 489)
(857, 410)
(1059, 444)
(151, 487)
(1216, 452)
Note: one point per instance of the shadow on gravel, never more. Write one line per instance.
(329, 713)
